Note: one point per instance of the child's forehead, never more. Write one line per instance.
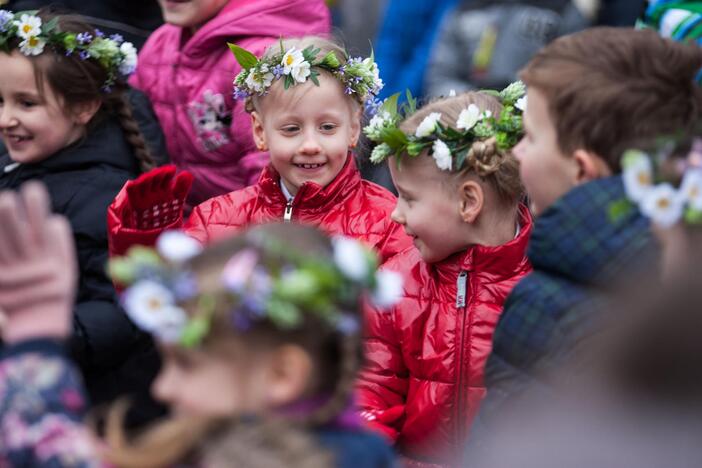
(329, 95)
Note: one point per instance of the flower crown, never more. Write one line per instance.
(117, 57)
(360, 77)
(254, 291)
(648, 182)
(450, 148)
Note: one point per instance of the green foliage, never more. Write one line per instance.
(246, 59)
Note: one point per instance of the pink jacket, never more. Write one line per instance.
(189, 82)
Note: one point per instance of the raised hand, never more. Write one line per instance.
(155, 199)
(37, 266)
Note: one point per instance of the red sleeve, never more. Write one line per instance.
(382, 384)
(395, 241)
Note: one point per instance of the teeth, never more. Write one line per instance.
(309, 166)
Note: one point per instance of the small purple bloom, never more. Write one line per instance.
(117, 38)
(341, 70)
(347, 325)
(240, 94)
(371, 106)
(69, 52)
(84, 38)
(348, 90)
(99, 33)
(358, 79)
(84, 55)
(240, 321)
(106, 89)
(184, 287)
(278, 71)
(5, 19)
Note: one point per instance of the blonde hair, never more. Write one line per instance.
(325, 45)
(337, 356)
(500, 169)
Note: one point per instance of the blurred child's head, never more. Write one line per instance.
(53, 89)
(265, 324)
(446, 207)
(663, 178)
(595, 93)
(307, 127)
(190, 14)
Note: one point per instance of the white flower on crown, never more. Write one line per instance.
(380, 152)
(376, 124)
(691, 188)
(28, 26)
(637, 175)
(442, 155)
(32, 45)
(176, 246)
(428, 125)
(663, 204)
(468, 117)
(521, 103)
(294, 64)
(350, 257)
(486, 115)
(375, 73)
(260, 78)
(151, 306)
(388, 288)
(129, 62)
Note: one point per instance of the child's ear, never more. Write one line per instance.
(258, 133)
(590, 166)
(471, 200)
(84, 112)
(289, 375)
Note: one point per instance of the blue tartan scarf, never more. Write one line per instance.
(581, 247)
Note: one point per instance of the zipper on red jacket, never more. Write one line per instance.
(287, 215)
(461, 293)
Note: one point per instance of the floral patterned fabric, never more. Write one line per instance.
(41, 409)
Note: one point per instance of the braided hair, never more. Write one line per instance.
(77, 82)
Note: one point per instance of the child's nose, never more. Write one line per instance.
(397, 214)
(7, 118)
(310, 145)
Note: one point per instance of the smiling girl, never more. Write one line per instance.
(186, 70)
(65, 121)
(305, 98)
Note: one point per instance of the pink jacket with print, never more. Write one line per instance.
(189, 82)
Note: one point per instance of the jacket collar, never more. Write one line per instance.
(501, 262)
(312, 197)
(583, 238)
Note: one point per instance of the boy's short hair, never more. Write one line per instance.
(609, 88)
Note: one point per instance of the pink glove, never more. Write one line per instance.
(155, 199)
(37, 267)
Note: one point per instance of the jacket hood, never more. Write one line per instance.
(244, 18)
(103, 145)
(584, 238)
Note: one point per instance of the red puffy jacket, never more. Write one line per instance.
(348, 205)
(423, 378)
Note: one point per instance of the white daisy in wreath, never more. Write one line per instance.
(663, 205)
(151, 306)
(28, 26)
(32, 45)
(691, 188)
(637, 175)
(294, 64)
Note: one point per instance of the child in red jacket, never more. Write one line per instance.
(305, 98)
(459, 200)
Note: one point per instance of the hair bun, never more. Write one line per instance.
(485, 157)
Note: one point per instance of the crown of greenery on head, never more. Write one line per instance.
(451, 148)
(665, 183)
(360, 77)
(117, 57)
(255, 288)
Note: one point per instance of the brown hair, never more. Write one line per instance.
(498, 168)
(608, 88)
(336, 356)
(325, 45)
(77, 82)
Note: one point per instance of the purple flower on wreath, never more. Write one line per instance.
(240, 321)
(355, 60)
(99, 33)
(184, 287)
(84, 55)
(84, 38)
(117, 38)
(5, 20)
(107, 89)
(371, 106)
(69, 52)
(278, 71)
(341, 70)
(348, 90)
(240, 94)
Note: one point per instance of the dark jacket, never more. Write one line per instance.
(82, 180)
(581, 249)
